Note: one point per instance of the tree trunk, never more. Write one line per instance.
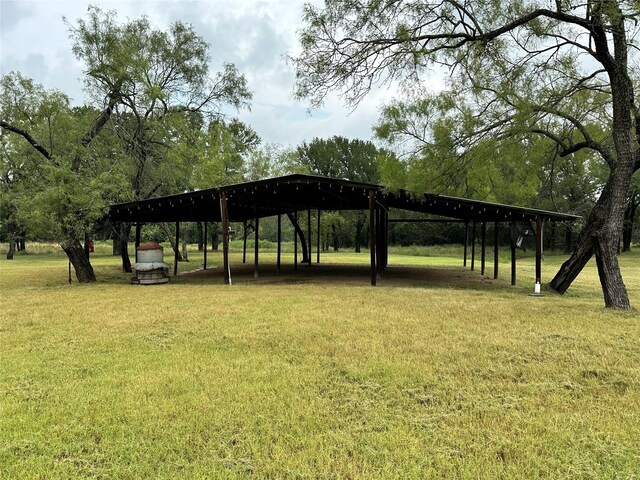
(116, 248)
(359, 225)
(215, 239)
(629, 217)
(185, 242)
(12, 248)
(125, 231)
(87, 241)
(613, 288)
(334, 236)
(172, 240)
(75, 251)
(201, 240)
(21, 243)
(600, 235)
(303, 243)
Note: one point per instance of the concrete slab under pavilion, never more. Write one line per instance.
(292, 194)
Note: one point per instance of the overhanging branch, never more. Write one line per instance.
(27, 136)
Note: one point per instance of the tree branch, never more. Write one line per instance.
(97, 125)
(589, 142)
(23, 133)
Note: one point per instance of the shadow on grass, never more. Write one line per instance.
(346, 274)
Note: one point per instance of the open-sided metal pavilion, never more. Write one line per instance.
(294, 193)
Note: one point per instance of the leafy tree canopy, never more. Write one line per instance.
(154, 90)
(516, 67)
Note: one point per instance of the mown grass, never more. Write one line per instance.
(315, 380)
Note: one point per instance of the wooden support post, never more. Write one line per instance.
(383, 232)
(279, 242)
(256, 249)
(309, 235)
(513, 258)
(224, 214)
(386, 239)
(138, 234)
(483, 250)
(473, 246)
(496, 232)
(244, 242)
(204, 243)
(539, 226)
(177, 250)
(295, 242)
(372, 234)
(318, 246)
(466, 242)
(379, 243)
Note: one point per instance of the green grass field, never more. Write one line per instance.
(315, 379)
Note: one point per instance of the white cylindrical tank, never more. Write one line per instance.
(150, 267)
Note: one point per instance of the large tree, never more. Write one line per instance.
(340, 157)
(523, 65)
(167, 97)
(157, 87)
(64, 180)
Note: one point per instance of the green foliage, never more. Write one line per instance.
(153, 71)
(45, 196)
(271, 160)
(221, 154)
(518, 88)
(167, 115)
(339, 157)
(354, 160)
(447, 151)
(162, 115)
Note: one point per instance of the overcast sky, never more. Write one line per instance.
(255, 35)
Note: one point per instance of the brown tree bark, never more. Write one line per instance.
(81, 264)
(359, 225)
(215, 239)
(300, 233)
(629, 218)
(201, 240)
(123, 240)
(12, 248)
(601, 235)
(602, 232)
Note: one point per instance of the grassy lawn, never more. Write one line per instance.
(316, 379)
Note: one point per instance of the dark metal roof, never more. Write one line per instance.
(467, 209)
(296, 192)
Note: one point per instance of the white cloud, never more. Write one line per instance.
(254, 35)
